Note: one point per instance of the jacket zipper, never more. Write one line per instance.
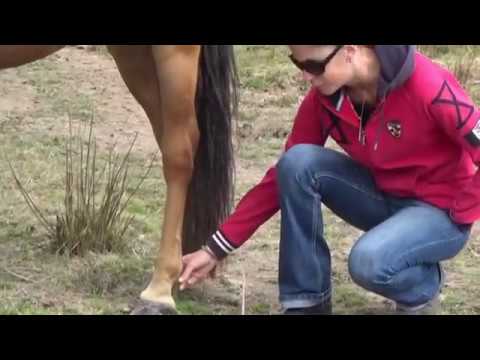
(362, 131)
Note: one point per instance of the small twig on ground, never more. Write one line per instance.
(244, 291)
(18, 276)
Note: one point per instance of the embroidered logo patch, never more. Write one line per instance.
(395, 129)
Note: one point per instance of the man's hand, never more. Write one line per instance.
(196, 268)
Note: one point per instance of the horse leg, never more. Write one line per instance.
(17, 55)
(170, 105)
(177, 70)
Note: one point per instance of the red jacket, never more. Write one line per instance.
(423, 142)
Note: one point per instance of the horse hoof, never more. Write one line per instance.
(145, 307)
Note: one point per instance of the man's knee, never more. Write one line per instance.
(303, 159)
(368, 266)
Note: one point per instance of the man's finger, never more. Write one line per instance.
(188, 283)
(186, 273)
(192, 280)
(187, 258)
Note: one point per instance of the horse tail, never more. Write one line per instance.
(211, 191)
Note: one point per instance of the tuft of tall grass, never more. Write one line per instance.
(93, 217)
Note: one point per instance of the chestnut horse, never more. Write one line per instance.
(189, 95)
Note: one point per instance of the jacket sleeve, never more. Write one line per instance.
(262, 202)
(460, 118)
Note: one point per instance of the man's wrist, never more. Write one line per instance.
(209, 251)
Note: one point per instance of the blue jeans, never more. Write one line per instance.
(399, 254)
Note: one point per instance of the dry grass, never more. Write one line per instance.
(95, 198)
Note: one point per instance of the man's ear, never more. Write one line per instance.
(350, 51)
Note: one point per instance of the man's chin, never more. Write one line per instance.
(327, 91)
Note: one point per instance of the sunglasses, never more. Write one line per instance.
(315, 67)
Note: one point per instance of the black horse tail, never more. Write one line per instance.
(211, 190)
